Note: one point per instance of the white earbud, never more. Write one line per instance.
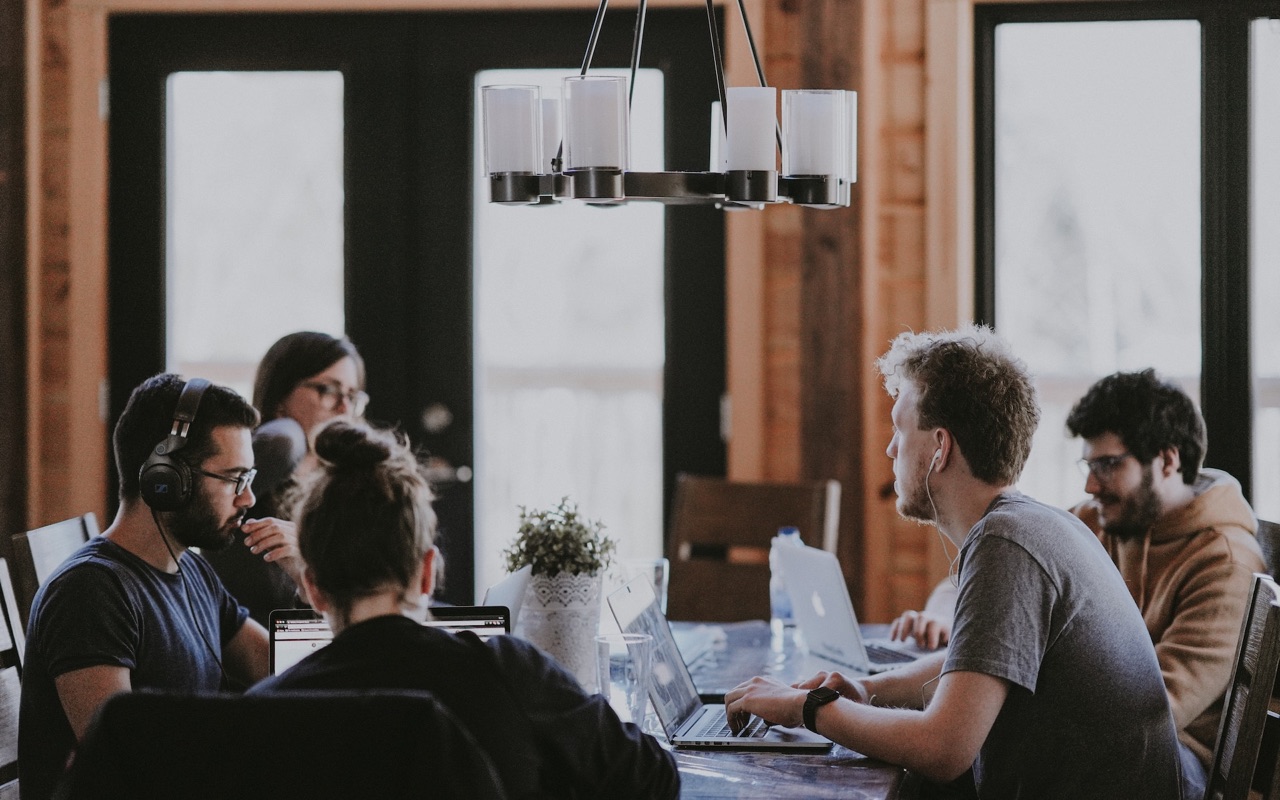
(937, 454)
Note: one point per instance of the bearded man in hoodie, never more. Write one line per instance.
(1182, 537)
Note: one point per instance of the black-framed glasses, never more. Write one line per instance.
(330, 393)
(242, 481)
(1102, 466)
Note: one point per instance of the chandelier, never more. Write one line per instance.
(539, 151)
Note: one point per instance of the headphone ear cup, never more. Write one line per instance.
(165, 484)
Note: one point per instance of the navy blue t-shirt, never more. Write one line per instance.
(106, 607)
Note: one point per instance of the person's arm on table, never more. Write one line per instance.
(939, 742)
(83, 691)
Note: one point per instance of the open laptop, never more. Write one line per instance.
(685, 719)
(825, 617)
(509, 592)
(297, 633)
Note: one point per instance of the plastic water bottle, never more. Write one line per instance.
(781, 616)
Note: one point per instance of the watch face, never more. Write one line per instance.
(824, 694)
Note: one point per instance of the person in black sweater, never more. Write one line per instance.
(366, 531)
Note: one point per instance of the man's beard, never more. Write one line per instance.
(916, 504)
(1138, 512)
(197, 524)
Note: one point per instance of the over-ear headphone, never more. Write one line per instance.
(165, 481)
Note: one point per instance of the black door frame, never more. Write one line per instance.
(404, 173)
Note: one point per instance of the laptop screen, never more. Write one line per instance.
(297, 633)
(672, 691)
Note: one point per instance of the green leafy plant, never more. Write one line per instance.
(559, 540)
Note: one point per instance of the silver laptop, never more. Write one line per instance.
(295, 633)
(685, 719)
(825, 617)
(509, 592)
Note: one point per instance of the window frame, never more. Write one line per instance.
(1226, 378)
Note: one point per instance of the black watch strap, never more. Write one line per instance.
(818, 697)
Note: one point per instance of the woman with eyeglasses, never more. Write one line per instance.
(304, 380)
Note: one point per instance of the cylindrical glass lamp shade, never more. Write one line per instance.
(550, 133)
(753, 125)
(512, 129)
(814, 136)
(595, 123)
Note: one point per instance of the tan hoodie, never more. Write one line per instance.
(1190, 576)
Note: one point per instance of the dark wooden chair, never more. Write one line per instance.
(12, 645)
(37, 553)
(1269, 541)
(298, 745)
(1236, 757)
(720, 536)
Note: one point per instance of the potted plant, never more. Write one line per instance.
(567, 555)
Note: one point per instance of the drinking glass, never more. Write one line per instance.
(624, 662)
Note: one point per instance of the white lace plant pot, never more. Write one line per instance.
(561, 615)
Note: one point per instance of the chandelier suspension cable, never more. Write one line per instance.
(718, 58)
(751, 42)
(636, 41)
(596, 25)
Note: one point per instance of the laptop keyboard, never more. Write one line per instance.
(887, 655)
(716, 726)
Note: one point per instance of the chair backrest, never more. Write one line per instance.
(720, 536)
(1269, 541)
(37, 553)
(1244, 714)
(13, 643)
(297, 745)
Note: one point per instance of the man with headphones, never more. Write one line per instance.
(136, 608)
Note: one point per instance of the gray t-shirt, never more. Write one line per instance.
(1041, 605)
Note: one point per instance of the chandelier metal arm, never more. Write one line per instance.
(821, 185)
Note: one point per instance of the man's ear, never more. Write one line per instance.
(1171, 462)
(941, 448)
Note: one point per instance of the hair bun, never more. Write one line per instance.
(349, 446)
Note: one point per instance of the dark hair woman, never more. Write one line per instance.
(305, 380)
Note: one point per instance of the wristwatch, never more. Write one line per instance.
(818, 697)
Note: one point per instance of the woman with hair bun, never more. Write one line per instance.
(366, 532)
(304, 380)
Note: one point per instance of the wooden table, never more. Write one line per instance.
(715, 774)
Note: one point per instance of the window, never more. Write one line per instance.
(254, 216)
(1116, 194)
